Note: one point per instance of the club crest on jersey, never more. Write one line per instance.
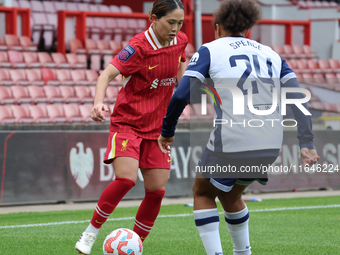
(126, 53)
(194, 59)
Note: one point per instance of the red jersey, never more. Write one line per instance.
(149, 76)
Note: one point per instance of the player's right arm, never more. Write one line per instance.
(97, 112)
(309, 155)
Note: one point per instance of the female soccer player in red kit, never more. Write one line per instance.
(150, 65)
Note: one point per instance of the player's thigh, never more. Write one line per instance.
(203, 187)
(126, 167)
(232, 200)
(155, 178)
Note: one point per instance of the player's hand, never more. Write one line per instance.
(98, 111)
(164, 143)
(309, 156)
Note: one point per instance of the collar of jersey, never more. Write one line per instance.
(152, 39)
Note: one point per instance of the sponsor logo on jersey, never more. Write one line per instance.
(126, 53)
(154, 84)
(124, 144)
(163, 83)
(194, 59)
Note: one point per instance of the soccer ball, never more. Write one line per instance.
(123, 241)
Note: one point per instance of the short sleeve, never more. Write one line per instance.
(128, 60)
(199, 64)
(286, 72)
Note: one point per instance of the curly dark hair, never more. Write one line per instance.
(237, 15)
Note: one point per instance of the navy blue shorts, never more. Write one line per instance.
(223, 171)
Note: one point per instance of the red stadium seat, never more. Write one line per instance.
(53, 94)
(49, 76)
(111, 94)
(5, 77)
(16, 59)
(324, 66)
(298, 51)
(31, 59)
(72, 113)
(331, 80)
(83, 94)
(64, 77)
(278, 49)
(37, 94)
(115, 46)
(4, 63)
(302, 67)
(60, 60)
(26, 43)
(46, 60)
(56, 113)
(313, 66)
(308, 51)
(93, 54)
(76, 61)
(288, 51)
(76, 46)
(68, 94)
(34, 77)
(38, 114)
(18, 76)
(78, 77)
(91, 76)
(334, 65)
(5, 96)
(6, 116)
(20, 94)
(85, 111)
(12, 42)
(21, 115)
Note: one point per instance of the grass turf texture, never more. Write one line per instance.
(291, 232)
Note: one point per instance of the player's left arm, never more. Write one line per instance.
(309, 154)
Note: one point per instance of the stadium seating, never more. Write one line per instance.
(46, 60)
(5, 78)
(18, 76)
(85, 111)
(49, 77)
(34, 77)
(38, 114)
(83, 94)
(16, 59)
(56, 113)
(60, 60)
(26, 43)
(4, 63)
(31, 59)
(37, 94)
(78, 77)
(76, 61)
(5, 96)
(68, 94)
(6, 116)
(72, 113)
(12, 42)
(53, 94)
(20, 94)
(64, 77)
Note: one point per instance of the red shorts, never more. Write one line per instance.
(145, 151)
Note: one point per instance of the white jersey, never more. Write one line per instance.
(242, 64)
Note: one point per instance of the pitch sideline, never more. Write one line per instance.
(171, 216)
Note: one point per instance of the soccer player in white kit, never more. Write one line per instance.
(254, 70)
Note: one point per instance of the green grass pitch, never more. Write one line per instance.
(277, 227)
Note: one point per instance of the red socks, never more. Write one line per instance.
(147, 212)
(109, 199)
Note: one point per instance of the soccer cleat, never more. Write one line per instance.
(85, 243)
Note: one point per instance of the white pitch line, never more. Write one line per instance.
(169, 216)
